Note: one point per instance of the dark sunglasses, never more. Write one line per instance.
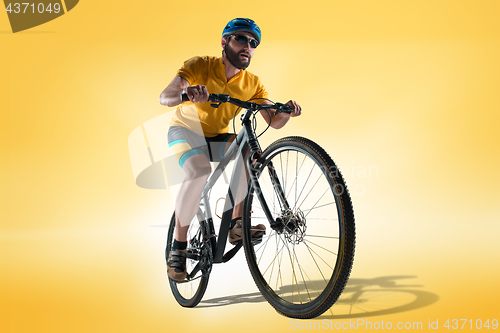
(242, 39)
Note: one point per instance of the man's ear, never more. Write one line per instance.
(223, 43)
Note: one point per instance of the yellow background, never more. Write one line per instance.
(406, 89)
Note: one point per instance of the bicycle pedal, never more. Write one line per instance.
(257, 237)
(236, 243)
(256, 241)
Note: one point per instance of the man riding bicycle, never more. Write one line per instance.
(196, 147)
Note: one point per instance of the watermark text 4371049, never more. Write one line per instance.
(26, 15)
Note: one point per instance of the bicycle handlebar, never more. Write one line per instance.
(217, 99)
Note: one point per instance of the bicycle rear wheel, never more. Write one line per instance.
(305, 258)
(189, 292)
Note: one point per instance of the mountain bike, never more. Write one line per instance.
(302, 263)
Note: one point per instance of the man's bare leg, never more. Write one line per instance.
(241, 193)
(197, 169)
(235, 232)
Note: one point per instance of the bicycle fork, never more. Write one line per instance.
(254, 170)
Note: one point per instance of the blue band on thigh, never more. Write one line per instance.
(175, 142)
(223, 146)
(188, 154)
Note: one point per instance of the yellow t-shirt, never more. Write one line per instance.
(210, 71)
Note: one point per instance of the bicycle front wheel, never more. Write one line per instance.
(189, 292)
(304, 260)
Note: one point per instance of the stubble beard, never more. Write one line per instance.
(234, 58)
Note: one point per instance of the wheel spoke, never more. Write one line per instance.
(305, 183)
(263, 245)
(322, 236)
(302, 272)
(264, 273)
(316, 263)
(272, 269)
(321, 247)
(281, 162)
(295, 182)
(321, 197)
(286, 172)
(312, 188)
(320, 257)
(321, 206)
(293, 276)
(279, 270)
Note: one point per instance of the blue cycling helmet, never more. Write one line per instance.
(242, 25)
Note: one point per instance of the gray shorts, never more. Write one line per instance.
(185, 143)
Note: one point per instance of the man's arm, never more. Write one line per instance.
(171, 95)
(280, 120)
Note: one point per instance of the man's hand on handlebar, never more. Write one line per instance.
(296, 109)
(197, 94)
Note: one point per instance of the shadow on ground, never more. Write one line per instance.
(360, 298)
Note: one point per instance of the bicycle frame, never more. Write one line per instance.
(245, 141)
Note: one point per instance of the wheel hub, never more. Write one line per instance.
(292, 225)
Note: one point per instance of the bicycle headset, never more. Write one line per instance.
(242, 25)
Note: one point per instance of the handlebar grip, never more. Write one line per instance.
(283, 108)
(211, 97)
(219, 98)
